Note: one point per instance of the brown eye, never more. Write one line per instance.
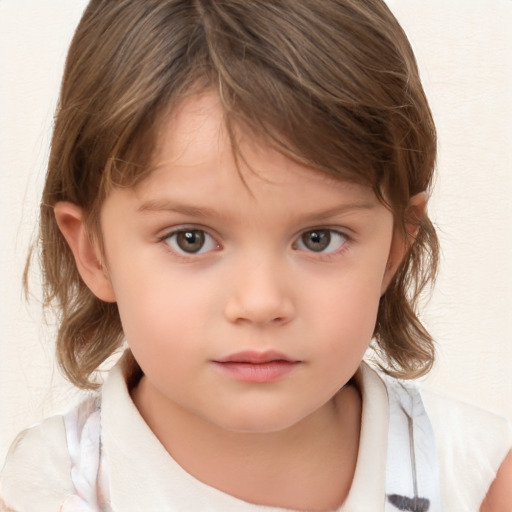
(321, 240)
(190, 241)
(317, 240)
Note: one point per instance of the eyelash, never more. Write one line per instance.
(343, 240)
(167, 237)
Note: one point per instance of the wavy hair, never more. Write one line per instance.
(332, 84)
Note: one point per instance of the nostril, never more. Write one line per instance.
(246, 311)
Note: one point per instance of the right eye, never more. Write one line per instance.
(190, 241)
(322, 240)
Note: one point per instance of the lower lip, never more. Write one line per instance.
(271, 371)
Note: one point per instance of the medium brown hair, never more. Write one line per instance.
(332, 84)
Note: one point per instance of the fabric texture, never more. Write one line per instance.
(102, 456)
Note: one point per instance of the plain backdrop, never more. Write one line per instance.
(464, 49)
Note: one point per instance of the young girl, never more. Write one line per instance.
(238, 190)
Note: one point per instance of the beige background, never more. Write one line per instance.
(465, 53)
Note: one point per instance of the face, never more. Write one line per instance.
(247, 295)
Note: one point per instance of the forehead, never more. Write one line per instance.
(197, 152)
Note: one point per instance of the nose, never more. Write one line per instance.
(261, 294)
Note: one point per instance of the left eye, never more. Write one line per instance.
(321, 240)
(190, 241)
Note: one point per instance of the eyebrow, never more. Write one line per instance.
(169, 206)
(205, 212)
(340, 210)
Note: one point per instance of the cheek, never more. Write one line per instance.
(156, 313)
(161, 310)
(350, 300)
(161, 331)
(345, 316)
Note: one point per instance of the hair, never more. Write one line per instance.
(331, 84)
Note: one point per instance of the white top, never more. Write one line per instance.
(136, 473)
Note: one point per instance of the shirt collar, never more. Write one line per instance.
(142, 472)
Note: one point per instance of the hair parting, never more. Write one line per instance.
(333, 85)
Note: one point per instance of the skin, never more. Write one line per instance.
(255, 285)
(499, 497)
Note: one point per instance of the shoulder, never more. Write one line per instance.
(468, 428)
(472, 444)
(37, 470)
(499, 497)
(37, 467)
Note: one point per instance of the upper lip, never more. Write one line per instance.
(255, 357)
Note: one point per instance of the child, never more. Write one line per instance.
(238, 190)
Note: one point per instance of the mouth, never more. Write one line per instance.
(257, 367)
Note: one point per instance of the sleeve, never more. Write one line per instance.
(37, 470)
(472, 444)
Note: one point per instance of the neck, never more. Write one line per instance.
(308, 466)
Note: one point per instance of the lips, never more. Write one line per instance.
(257, 367)
(254, 357)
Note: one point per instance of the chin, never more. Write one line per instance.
(263, 423)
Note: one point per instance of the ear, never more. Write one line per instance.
(404, 236)
(85, 250)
